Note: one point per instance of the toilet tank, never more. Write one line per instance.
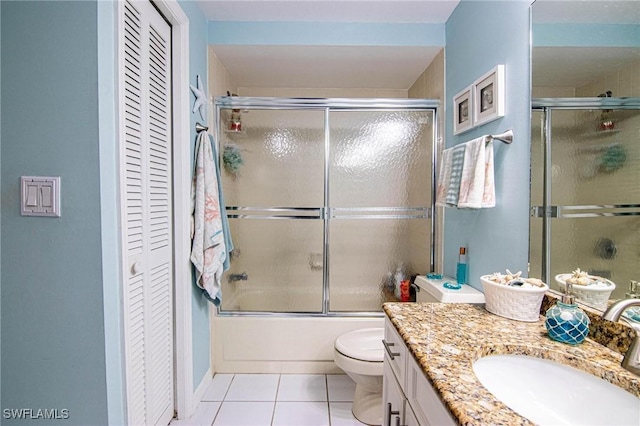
(433, 290)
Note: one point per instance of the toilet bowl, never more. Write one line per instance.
(360, 354)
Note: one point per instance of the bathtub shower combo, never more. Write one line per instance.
(327, 200)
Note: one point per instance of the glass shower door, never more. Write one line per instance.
(594, 200)
(272, 176)
(379, 199)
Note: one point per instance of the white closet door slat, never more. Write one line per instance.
(147, 201)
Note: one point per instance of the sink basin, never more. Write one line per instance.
(550, 393)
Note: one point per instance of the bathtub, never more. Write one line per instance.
(279, 344)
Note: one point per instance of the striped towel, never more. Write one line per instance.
(457, 165)
(449, 176)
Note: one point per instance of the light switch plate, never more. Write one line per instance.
(40, 196)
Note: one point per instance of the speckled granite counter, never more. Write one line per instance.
(446, 339)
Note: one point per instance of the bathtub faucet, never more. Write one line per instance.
(238, 277)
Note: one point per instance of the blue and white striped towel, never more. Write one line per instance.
(457, 164)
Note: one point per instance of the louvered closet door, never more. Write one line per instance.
(146, 170)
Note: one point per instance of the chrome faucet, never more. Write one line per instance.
(631, 360)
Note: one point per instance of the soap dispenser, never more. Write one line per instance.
(565, 321)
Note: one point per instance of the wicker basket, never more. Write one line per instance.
(593, 296)
(517, 303)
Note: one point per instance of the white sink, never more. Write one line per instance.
(550, 393)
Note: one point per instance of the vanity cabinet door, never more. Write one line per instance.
(424, 400)
(392, 397)
(396, 351)
(409, 418)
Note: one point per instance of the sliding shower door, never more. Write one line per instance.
(272, 175)
(379, 199)
(588, 215)
(325, 202)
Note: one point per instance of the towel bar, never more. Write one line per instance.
(201, 127)
(506, 137)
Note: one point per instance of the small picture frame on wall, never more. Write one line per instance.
(462, 111)
(488, 94)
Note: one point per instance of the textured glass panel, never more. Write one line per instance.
(595, 157)
(380, 158)
(537, 186)
(595, 162)
(276, 148)
(604, 246)
(283, 262)
(364, 255)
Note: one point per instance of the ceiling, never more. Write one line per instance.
(375, 67)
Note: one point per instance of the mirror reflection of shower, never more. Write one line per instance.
(587, 216)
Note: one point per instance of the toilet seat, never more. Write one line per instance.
(364, 344)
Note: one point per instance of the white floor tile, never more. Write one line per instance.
(244, 414)
(253, 387)
(301, 414)
(203, 416)
(341, 388)
(341, 415)
(302, 387)
(218, 387)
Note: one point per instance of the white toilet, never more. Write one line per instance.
(360, 354)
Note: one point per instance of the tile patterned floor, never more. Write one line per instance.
(275, 400)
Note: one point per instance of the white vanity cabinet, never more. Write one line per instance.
(408, 397)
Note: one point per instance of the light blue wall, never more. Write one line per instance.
(53, 352)
(481, 35)
(60, 108)
(586, 35)
(198, 66)
(326, 34)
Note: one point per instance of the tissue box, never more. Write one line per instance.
(516, 303)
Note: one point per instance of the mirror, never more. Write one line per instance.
(588, 54)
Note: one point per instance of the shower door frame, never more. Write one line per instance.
(548, 211)
(327, 105)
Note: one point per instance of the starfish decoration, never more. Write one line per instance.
(201, 98)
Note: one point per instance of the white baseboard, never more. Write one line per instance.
(198, 394)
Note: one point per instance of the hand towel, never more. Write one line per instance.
(451, 174)
(477, 186)
(444, 178)
(208, 251)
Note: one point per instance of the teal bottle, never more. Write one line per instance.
(461, 266)
(565, 321)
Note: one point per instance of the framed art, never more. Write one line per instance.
(488, 94)
(462, 111)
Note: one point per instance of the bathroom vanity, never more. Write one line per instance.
(408, 397)
(430, 351)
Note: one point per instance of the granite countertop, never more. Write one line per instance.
(445, 340)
